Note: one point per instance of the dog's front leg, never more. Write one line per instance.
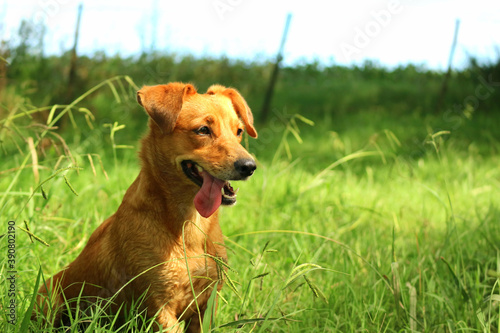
(167, 322)
(194, 324)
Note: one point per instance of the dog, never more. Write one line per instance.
(164, 245)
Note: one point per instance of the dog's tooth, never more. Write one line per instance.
(236, 191)
(228, 196)
(199, 168)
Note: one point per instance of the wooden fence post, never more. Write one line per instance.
(72, 67)
(270, 89)
(444, 86)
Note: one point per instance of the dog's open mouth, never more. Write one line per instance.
(213, 191)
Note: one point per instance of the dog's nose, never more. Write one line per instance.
(245, 167)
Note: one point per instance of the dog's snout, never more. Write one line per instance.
(245, 166)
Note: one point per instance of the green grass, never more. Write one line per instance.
(372, 223)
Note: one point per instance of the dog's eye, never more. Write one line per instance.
(203, 130)
(239, 132)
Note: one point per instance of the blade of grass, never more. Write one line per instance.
(27, 315)
(209, 316)
(317, 180)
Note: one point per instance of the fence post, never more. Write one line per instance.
(270, 89)
(72, 67)
(444, 86)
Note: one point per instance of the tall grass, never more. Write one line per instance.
(358, 222)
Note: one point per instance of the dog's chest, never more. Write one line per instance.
(192, 281)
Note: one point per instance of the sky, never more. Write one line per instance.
(389, 32)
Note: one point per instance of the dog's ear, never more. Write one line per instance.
(164, 102)
(240, 106)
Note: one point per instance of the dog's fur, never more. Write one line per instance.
(158, 239)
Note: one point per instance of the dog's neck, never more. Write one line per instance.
(152, 192)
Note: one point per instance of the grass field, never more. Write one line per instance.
(364, 220)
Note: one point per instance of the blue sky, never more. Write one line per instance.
(391, 32)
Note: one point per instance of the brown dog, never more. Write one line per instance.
(163, 242)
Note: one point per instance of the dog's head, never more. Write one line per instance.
(200, 134)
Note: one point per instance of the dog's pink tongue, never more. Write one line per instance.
(209, 197)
